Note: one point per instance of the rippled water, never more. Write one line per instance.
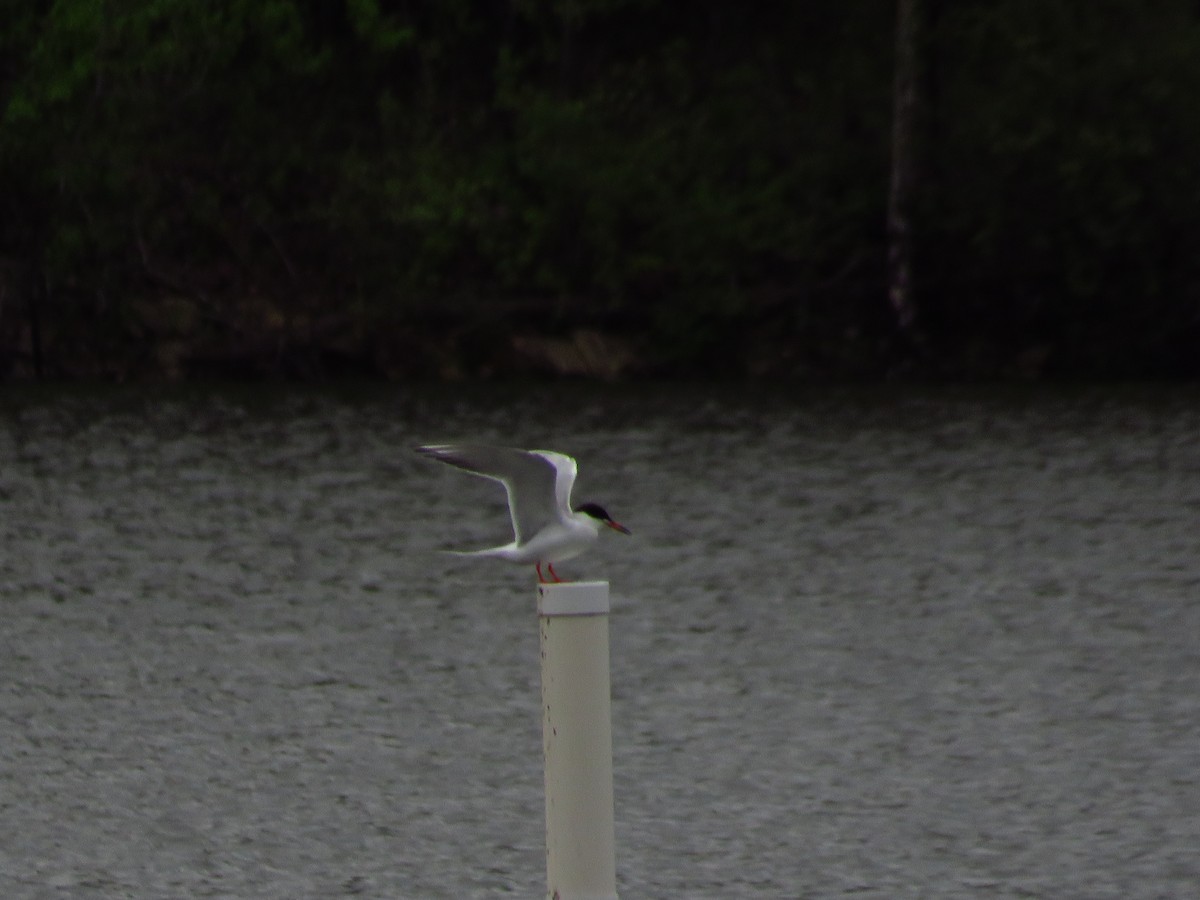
(865, 643)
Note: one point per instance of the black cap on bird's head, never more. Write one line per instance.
(596, 511)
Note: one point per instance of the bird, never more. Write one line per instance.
(546, 529)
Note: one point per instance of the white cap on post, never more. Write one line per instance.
(577, 740)
(573, 598)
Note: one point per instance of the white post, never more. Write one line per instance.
(577, 740)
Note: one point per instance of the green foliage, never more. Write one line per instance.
(1065, 154)
(687, 177)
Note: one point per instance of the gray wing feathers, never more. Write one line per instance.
(565, 469)
(533, 482)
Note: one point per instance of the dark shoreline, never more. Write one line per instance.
(460, 350)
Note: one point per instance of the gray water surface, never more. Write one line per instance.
(879, 644)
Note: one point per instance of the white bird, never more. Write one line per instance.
(546, 529)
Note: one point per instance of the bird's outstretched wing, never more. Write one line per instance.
(538, 481)
(565, 470)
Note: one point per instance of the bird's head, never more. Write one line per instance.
(596, 511)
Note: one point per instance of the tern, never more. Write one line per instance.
(546, 529)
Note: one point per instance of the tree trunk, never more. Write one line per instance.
(899, 215)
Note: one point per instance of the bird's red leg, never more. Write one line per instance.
(553, 574)
(541, 580)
